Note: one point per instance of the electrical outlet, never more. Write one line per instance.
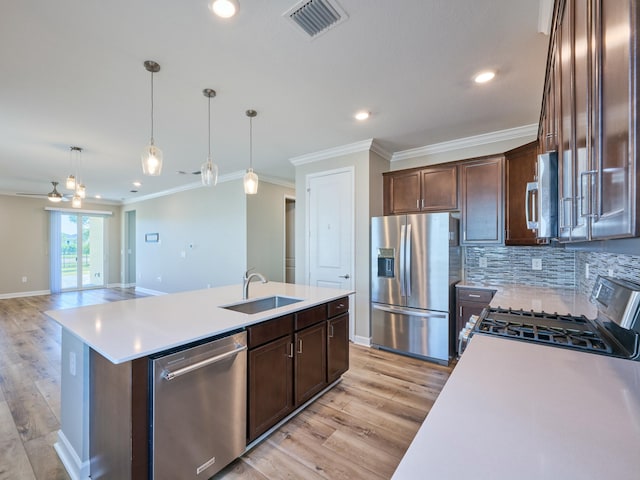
(159, 278)
(24, 279)
(610, 272)
(586, 271)
(183, 254)
(72, 363)
(483, 262)
(536, 264)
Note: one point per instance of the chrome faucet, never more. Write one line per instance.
(247, 279)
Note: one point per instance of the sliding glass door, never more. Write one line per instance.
(82, 252)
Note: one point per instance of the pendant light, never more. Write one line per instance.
(151, 155)
(70, 182)
(79, 191)
(54, 195)
(209, 170)
(250, 178)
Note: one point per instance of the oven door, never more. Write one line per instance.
(420, 333)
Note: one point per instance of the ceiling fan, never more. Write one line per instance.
(53, 196)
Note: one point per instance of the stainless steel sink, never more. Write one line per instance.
(262, 304)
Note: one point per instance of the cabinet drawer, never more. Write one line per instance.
(475, 295)
(310, 316)
(264, 332)
(337, 307)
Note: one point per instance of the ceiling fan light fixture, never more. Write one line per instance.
(209, 170)
(250, 178)
(224, 8)
(151, 155)
(54, 195)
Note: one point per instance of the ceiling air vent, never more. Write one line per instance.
(315, 17)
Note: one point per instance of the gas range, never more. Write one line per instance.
(614, 332)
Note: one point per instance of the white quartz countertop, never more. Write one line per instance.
(517, 410)
(539, 299)
(130, 329)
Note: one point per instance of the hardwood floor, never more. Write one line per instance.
(358, 430)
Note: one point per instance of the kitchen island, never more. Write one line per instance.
(119, 337)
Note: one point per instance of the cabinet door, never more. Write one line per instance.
(270, 385)
(402, 192)
(464, 312)
(439, 189)
(337, 347)
(520, 166)
(310, 366)
(482, 201)
(616, 197)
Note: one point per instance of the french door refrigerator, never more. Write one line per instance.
(415, 264)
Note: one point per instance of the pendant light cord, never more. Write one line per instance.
(151, 108)
(209, 157)
(251, 143)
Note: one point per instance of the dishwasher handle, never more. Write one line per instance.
(168, 375)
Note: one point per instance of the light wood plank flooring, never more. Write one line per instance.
(358, 430)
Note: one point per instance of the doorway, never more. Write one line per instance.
(289, 240)
(82, 251)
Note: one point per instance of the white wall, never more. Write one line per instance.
(24, 243)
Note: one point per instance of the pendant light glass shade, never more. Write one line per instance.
(70, 183)
(209, 170)
(250, 182)
(151, 155)
(81, 191)
(76, 201)
(151, 160)
(251, 178)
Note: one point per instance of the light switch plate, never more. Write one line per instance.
(483, 262)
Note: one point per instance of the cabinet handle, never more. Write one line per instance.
(460, 310)
(299, 345)
(330, 331)
(418, 203)
(290, 350)
(474, 295)
(423, 203)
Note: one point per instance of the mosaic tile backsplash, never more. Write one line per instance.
(513, 265)
(561, 268)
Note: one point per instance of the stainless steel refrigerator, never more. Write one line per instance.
(415, 264)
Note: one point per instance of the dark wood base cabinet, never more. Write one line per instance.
(470, 301)
(293, 358)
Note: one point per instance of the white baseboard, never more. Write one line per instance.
(365, 341)
(148, 291)
(34, 293)
(76, 469)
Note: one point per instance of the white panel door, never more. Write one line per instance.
(331, 226)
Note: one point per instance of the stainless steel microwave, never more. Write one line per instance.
(541, 202)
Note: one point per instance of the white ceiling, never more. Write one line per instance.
(72, 74)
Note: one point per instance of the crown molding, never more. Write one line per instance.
(526, 131)
(362, 146)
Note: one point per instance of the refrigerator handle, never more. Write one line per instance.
(407, 259)
(402, 254)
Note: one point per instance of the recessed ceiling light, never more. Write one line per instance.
(224, 8)
(98, 196)
(137, 184)
(362, 115)
(484, 77)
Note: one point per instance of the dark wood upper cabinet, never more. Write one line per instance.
(590, 116)
(481, 189)
(426, 189)
(520, 168)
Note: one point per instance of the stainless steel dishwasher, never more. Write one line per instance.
(198, 408)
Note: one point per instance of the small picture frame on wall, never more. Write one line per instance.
(152, 237)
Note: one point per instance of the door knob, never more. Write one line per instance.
(344, 276)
